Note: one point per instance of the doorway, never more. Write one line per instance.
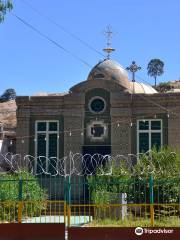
(94, 157)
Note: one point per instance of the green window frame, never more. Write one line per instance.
(46, 144)
(149, 134)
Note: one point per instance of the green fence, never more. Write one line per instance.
(92, 189)
(91, 198)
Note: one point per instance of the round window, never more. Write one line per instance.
(97, 105)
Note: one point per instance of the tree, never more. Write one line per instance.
(155, 68)
(164, 87)
(4, 7)
(9, 94)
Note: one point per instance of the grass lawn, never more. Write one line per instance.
(163, 222)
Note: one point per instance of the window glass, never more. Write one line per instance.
(143, 125)
(41, 151)
(41, 164)
(52, 153)
(156, 140)
(53, 126)
(53, 145)
(41, 126)
(155, 125)
(97, 130)
(99, 75)
(41, 144)
(150, 134)
(143, 142)
(97, 105)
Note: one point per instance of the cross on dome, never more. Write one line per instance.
(108, 32)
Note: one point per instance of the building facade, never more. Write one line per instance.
(106, 114)
(7, 127)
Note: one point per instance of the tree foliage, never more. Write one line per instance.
(164, 87)
(9, 94)
(155, 68)
(33, 195)
(162, 165)
(4, 7)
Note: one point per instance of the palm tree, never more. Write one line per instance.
(155, 68)
(4, 7)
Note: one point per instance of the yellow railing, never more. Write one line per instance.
(33, 211)
(90, 215)
(130, 215)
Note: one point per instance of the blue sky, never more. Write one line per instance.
(143, 30)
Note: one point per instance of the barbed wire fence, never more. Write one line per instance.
(75, 164)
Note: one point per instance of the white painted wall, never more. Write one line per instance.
(3, 150)
(1, 142)
(4, 146)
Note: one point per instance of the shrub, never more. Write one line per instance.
(9, 94)
(33, 195)
(163, 166)
(105, 189)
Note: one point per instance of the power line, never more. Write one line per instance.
(50, 39)
(143, 79)
(129, 121)
(62, 28)
(84, 62)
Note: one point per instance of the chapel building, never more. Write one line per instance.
(106, 114)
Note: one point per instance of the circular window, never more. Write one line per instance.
(97, 105)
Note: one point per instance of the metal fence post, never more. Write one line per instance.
(69, 201)
(151, 191)
(20, 203)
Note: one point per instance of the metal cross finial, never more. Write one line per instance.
(108, 32)
(133, 68)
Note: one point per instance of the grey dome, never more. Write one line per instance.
(110, 70)
(137, 88)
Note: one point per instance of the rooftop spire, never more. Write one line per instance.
(108, 32)
(133, 68)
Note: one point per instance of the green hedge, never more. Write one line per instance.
(33, 196)
(162, 165)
